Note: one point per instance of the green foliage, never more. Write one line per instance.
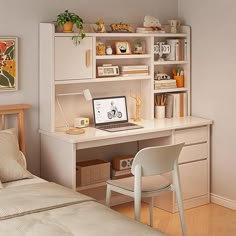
(75, 19)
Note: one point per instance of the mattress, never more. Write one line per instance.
(49, 209)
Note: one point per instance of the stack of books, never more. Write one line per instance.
(164, 84)
(134, 70)
(118, 174)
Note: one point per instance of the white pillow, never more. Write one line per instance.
(11, 165)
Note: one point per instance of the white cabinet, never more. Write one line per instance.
(73, 62)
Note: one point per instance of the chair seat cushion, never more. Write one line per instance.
(149, 183)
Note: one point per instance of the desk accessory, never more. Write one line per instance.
(87, 95)
(161, 48)
(107, 70)
(122, 162)
(81, 122)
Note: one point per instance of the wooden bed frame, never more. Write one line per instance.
(17, 109)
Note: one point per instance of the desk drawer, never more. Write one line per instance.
(191, 136)
(193, 153)
(194, 179)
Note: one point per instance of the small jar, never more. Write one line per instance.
(100, 49)
(109, 50)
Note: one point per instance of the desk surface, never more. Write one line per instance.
(150, 126)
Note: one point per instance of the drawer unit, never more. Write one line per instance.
(193, 153)
(192, 135)
(194, 179)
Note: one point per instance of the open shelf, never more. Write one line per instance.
(170, 62)
(170, 90)
(99, 80)
(123, 56)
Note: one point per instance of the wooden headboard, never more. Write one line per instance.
(17, 109)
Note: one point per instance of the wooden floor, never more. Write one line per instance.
(207, 220)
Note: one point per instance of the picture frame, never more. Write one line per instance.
(123, 47)
(8, 64)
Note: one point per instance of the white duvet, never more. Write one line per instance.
(48, 209)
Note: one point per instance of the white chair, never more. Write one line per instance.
(147, 167)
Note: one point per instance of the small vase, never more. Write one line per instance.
(67, 27)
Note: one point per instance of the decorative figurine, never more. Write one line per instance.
(173, 25)
(150, 21)
(109, 50)
(100, 26)
(138, 105)
(124, 28)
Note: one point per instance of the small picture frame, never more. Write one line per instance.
(123, 47)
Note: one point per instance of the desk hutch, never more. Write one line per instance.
(67, 68)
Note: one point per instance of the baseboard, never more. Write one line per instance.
(225, 202)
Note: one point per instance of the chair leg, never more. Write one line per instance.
(181, 208)
(151, 211)
(137, 209)
(108, 195)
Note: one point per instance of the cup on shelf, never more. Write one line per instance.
(179, 81)
(160, 112)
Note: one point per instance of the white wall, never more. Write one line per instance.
(21, 18)
(214, 84)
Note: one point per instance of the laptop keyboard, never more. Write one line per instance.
(111, 126)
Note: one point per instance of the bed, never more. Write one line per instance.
(32, 206)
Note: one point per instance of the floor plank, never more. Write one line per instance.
(207, 220)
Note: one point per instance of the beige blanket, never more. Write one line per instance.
(27, 199)
(50, 210)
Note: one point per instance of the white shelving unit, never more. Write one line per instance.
(66, 67)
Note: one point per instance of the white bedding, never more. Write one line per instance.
(48, 209)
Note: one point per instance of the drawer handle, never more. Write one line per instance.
(87, 58)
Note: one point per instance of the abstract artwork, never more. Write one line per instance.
(8, 64)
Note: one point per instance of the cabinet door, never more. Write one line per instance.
(73, 61)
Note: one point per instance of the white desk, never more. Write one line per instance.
(59, 151)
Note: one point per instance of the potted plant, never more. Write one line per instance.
(67, 20)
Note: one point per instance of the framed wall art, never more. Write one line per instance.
(8, 64)
(123, 47)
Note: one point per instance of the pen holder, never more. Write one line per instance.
(179, 81)
(160, 112)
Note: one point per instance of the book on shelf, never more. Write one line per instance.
(120, 172)
(178, 50)
(134, 70)
(117, 174)
(176, 105)
(164, 84)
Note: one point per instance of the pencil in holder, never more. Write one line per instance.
(179, 81)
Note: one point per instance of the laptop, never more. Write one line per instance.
(110, 114)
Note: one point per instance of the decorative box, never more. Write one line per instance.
(92, 172)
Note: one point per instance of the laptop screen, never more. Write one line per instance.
(110, 110)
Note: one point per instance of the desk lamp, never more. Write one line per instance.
(87, 95)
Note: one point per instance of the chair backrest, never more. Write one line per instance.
(157, 160)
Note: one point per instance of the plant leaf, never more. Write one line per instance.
(3, 81)
(11, 48)
(11, 78)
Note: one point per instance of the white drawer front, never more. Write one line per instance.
(194, 179)
(194, 152)
(190, 136)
